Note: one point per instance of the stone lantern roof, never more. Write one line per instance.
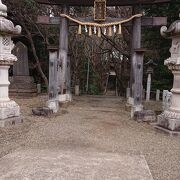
(151, 63)
(3, 9)
(173, 30)
(7, 26)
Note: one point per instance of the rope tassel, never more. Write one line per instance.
(85, 27)
(90, 31)
(120, 29)
(79, 29)
(95, 31)
(105, 31)
(99, 32)
(110, 31)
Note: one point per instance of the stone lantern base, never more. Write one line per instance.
(9, 110)
(169, 122)
(9, 113)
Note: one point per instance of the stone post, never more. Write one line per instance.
(69, 93)
(164, 94)
(9, 110)
(169, 120)
(150, 69)
(128, 92)
(39, 88)
(158, 94)
(148, 90)
(77, 92)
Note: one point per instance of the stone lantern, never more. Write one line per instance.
(169, 120)
(9, 110)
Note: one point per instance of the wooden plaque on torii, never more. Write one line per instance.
(99, 10)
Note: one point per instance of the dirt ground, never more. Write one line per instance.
(94, 124)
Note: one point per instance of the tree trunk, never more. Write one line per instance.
(36, 58)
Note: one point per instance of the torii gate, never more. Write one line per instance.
(137, 52)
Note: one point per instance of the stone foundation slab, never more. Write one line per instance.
(167, 131)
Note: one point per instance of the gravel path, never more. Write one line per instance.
(94, 124)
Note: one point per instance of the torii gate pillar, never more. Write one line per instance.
(64, 93)
(134, 83)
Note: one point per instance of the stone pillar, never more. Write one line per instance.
(53, 102)
(39, 88)
(9, 110)
(158, 95)
(77, 92)
(148, 90)
(164, 94)
(128, 91)
(169, 120)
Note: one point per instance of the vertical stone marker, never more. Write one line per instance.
(150, 69)
(128, 92)
(21, 67)
(158, 92)
(53, 102)
(169, 120)
(148, 91)
(69, 94)
(22, 84)
(9, 110)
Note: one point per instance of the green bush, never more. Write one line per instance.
(93, 89)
